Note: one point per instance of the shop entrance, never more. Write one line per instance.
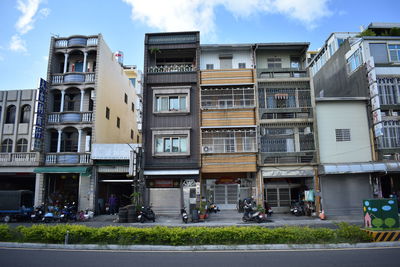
(61, 188)
(117, 184)
(226, 195)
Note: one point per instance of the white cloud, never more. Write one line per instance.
(17, 44)
(28, 9)
(179, 15)
(44, 12)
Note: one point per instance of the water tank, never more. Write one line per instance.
(119, 56)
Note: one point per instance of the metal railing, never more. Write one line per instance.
(73, 77)
(172, 68)
(61, 117)
(67, 158)
(76, 41)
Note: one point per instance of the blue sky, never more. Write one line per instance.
(27, 25)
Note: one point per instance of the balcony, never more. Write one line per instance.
(67, 158)
(171, 68)
(70, 117)
(227, 98)
(75, 77)
(229, 141)
(282, 73)
(287, 157)
(76, 41)
(20, 159)
(227, 76)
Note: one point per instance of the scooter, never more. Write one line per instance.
(51, 215)
(184, 215)
(252, 215)
(68, 213)
(213, 208)
(38, 214)
(146, 213)
(297, 209)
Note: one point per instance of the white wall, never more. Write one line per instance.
(343, 115)
(212, 57)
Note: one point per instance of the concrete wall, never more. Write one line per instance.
(112, 85)
(343, 115)
(212, 57)
(343, 194)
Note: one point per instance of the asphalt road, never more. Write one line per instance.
(373, 257)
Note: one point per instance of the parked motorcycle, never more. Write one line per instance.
(253, 215)
(184, 215)
(297, 208)
(146, 213)
(38, 214)
(52, 215)
(68, 213)
(213, 208)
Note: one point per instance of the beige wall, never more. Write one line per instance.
(112, 85)
(343, 115)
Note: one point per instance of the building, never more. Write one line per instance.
(357, 91)
(89, 101)
(287, 156)
(17, 158)
(171, 132)
(228, 124)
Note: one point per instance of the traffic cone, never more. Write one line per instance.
(322, 215)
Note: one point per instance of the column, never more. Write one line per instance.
(59, 141)
(82, 97)
(65, 62)
(62, 101)
(79, 140)
(39, 189)
(84, 61)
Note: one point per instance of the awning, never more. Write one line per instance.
(85, 171)
(171, 172)
(287, 173)
(365, 167)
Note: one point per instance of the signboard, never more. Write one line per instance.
(374, 97)
(197, 189)
(39, 117)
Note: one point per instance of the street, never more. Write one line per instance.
(334, 257)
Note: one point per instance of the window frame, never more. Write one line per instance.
(395, 49)
(7, 145)
(170, 134)
(178, 91)
(118, 122)
(22, 145)
(25, 115)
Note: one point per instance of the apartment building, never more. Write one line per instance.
(356, 89)
(228, 124)
(287, 155)
(89, 101)
(171, 132)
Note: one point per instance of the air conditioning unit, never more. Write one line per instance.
(206, 149)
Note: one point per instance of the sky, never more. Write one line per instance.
(26, 26)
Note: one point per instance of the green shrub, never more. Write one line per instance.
(5, 233)
(351, 233)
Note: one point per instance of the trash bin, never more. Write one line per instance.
(381, 213)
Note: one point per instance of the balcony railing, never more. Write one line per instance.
(288, 157)
(70, 117)
(172, 68)
(281, 73)
(67, 158)
(76, 42)
(74, 77)
(19, 159)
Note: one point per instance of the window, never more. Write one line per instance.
(133, 107)
(354, 61)
(274, 63)
(10, 116)
(222, 98)
(133, 81)
(340, 41)
(209, 66)
(394, 52)
(132, 134)
(25, 114)
(391, 135)
(171, 143)
(126, 98)
(118, 122)
(107, 113)
(295, 62)
(171, 103)
(242, 65)
(171, 99)
(6, 146)
(137, 139)
(342, 135)
(22, 145)
(389, 90)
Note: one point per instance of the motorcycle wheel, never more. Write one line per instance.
(258, 220)
(244, 219)
(142, 219)
(185, 220)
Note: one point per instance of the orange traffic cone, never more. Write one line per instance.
(322, 215)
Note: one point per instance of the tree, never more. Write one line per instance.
(367, 32)
(154, 51)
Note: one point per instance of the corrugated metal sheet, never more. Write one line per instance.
(281, 172)
(368, 167)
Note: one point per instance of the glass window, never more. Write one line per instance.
(10, 116)
(171, 144)
(6, 146)
(242, 65)
(170, 103)
(133, 81)
(209, 66)
(394, 52)
(274, 63)
(354, 61)
(25, 114)
(22, 145)
(107, 113)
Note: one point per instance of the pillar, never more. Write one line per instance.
(39, 189)
(82, 97)
(62, 101)
(65, 62)
(79, 140)
(59, 141)
(84, 61)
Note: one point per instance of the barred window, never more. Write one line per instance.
(342, 135)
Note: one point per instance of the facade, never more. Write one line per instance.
(171, 130)
(89, 101)
(228, 124)
(358, 82)
(287, 154)
(17, 158)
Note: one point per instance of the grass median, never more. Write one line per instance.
(176, 236)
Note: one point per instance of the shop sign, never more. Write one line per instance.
(39, 117)
(227, 181)
(197, 189)
(374, 97)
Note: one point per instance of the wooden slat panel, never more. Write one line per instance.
(229, 168)
(228, 158)
(227, 81)
(234, 122)
(206, 75)
(227, 114)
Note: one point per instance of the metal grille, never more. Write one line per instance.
(229, 141)
(389, 90)
(391, 135)
(342, 135)
(221, 98)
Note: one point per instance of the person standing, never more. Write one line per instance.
(112, 202)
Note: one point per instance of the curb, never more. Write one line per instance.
(202, 248)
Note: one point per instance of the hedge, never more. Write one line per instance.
(175, 236)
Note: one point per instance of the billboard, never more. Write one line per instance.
(39, 117)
